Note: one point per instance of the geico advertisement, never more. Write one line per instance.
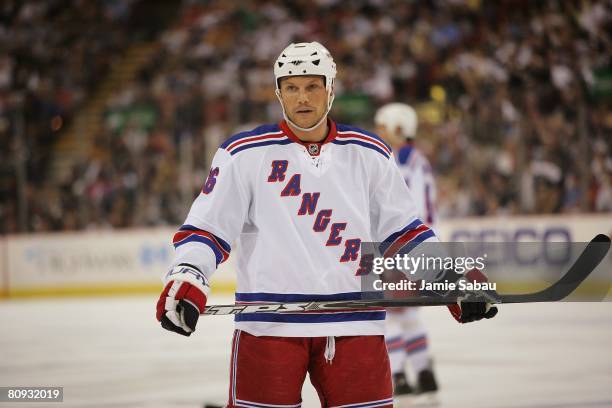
(561, 228)
(549, 232)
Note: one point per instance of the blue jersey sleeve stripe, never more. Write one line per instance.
(391, 238)
(393, 339)
(266, 143)
(310, 318)
(409, 245)
(347, 128)
(219, 256)
(423, 236)
(221, 242)
(404, 154)
(413, 243)
(416, 339)
(253, 139)
(364, 144)
(189, 233)
(364, 138)
(255, 132)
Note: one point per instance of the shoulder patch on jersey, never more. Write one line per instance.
(354, 135)
(264, 135)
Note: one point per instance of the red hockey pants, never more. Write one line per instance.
(348, 371)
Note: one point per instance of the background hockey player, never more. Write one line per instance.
(297, 197)
(406, 335)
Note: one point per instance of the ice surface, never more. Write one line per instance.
(111, 352)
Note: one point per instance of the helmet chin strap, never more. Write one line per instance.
(330, 98)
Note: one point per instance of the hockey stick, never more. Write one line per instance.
(592, 255)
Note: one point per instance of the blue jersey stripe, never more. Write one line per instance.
(362, 143)
(416, 340)
(417, 349)
(265, 143)
(206, 241)
(223, 243)
(260, 130)
(410, 245)
(404, 154)
(391, 238)
(423, 236)
(310, 317)
(346, 128)
(392, 339)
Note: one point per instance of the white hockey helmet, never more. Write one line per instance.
(398, 115)
(305, 59)
(300, 59)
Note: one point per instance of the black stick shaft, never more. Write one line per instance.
(592, 255)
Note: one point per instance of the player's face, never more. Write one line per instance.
(304, 98)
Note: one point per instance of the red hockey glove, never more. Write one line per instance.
(471, 308)
(182, 300)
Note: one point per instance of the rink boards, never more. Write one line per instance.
(133, 261)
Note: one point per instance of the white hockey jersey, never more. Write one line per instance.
(417, 173)
(298, 212)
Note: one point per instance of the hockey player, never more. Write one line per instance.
(405, 335)
(297, 198)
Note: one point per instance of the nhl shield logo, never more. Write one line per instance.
(313, 149)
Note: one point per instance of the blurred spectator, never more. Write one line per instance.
(55, 53)
(516, 116)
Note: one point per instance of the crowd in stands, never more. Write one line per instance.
(54, 53)
(513, 96)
